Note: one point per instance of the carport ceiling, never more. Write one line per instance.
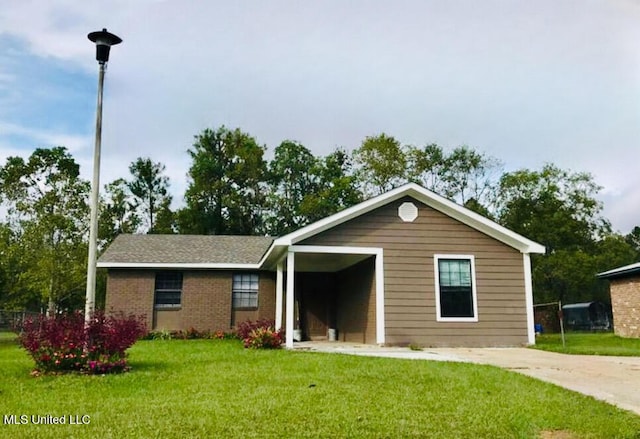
(326, 262)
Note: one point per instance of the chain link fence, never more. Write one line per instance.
(9, 320)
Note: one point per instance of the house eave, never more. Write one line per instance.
(177, 266)
(627, 270)
(430, 199)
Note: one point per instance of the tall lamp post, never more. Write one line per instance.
(103, 40)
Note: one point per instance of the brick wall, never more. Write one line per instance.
(131, 291)
(206, 299)
(266, 301)
(625, 301)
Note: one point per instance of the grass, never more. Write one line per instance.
(206, 388)
(589, 343)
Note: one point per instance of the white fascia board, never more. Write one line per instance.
(274, 255)
(178, 266)
(335, 249)
(619, 270)
(427, 197)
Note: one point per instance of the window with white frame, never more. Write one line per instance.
(168, 290)
(245, 290)
(455, 277)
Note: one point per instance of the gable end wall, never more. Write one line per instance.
(409, 247)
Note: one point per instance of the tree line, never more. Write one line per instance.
(233, 189)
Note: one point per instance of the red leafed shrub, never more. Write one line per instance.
(260, 334)
(243, 329)
(264, 338)
(65, 342)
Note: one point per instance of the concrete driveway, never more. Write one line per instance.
(615, 380)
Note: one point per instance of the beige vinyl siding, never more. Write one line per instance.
(410, 309)
(356, 305)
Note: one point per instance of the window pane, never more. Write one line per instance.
(454, 272)
(456, 302)
(169, 280)
(245, 288)
(456, 292)
(167, 298)
(168, 291)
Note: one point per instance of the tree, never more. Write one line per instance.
(336, 188)
(559, 209)
(118, 213)
(291, 179)
(470, 175)
(226, 189)
(555, 207)
(427, 167)
(612, 251)
(48, 212)
(165, 222)
(464, 175)
(10, 269)
(150, 188)
(382, 164)
(633, 239)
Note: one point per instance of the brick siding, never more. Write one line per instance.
(625, 301)
(205, 302)
(266, 301)
(131, 292)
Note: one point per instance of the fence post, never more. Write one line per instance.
(561, 318)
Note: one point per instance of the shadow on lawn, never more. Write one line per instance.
(8, 338)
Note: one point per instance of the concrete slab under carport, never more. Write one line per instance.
(615, 380)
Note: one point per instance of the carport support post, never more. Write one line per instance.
(279, 296)
(289, 311)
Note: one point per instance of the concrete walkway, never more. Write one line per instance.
(615, 380)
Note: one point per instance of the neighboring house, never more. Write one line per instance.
(624, 286)
(405, 267)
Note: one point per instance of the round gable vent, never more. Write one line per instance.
(408, 212)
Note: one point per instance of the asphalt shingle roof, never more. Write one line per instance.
(186, 249)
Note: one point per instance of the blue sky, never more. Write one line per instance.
(526, 82)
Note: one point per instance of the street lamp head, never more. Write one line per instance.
(104, 40)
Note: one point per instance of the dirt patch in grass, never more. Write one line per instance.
(557, 434)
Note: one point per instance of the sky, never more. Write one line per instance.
(550, 81)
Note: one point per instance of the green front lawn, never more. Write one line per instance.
(589, 343)
(206, 388)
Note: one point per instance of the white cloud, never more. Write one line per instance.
(528, 82)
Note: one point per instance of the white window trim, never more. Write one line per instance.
(474, 293)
